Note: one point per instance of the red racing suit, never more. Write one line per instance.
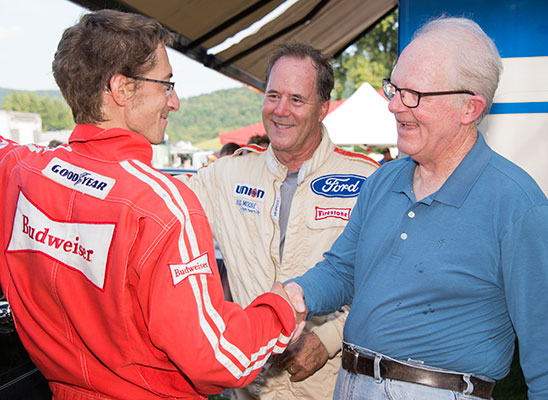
(109, 268)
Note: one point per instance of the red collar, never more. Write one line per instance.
(114, 144)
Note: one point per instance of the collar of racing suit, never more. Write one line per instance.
(309, 166)
(113, 144)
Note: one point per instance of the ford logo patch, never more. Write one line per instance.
(339, 185)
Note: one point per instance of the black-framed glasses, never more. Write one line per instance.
(411, 98)
(170, 86)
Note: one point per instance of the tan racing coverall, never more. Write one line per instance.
(241, 197)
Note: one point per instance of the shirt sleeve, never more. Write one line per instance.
(6, 146)
(524, 251)
(203, 184)
(330, 333)
(215, 344)
(329, 285)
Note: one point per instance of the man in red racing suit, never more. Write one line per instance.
(109, 265)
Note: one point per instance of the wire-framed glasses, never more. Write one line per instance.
(411, 98)
(170, 86)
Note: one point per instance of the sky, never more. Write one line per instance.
(31, 29)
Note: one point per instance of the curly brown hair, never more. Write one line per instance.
(101, 45)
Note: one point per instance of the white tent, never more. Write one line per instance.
(362, 119)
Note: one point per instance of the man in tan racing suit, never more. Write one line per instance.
(275, 211)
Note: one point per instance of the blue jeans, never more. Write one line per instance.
(351, 386)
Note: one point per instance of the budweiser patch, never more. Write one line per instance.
(199, 265)
(82, 246)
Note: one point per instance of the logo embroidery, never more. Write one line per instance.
(78, 178)
(339, 185)
(341, 213)
(198, 266)
(276, 210)
(248, 192)
(82, 246)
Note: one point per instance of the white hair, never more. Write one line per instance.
(478, 64)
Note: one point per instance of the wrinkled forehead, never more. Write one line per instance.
(294, 76)
(424, 63)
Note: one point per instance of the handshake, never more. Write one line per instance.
(294, 294)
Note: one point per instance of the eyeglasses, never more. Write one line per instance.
(170, 86)
(411, 98)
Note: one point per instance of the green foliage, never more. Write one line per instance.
(370, 59)
(204, 117)
(200, 118)
(55, 113)
(56, 94)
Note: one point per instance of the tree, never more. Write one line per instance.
(54, 112)
(370, 59)
(204, 117)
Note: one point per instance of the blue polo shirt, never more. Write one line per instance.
(448, 280)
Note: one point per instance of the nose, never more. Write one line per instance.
(173, 103)
(282, 106)
(395, 104)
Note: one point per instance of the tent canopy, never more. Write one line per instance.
(241, 135)
(363, 119)
(329, 25)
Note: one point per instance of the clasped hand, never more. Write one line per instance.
(305, 353)
(295, 295)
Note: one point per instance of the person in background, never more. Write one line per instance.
(386, 156)
(444, 257)
(259, 140)
(275, 210)
(228, 149)
(54, 143)
(108, 264)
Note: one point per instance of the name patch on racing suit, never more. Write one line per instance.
(247, 197)
(199, 265)
(338, 185)
(79, 179)
(82, 246)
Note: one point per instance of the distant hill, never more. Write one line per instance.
(200, 117)
(204, 117)
(40, 93)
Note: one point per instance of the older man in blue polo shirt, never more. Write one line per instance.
(444, 258)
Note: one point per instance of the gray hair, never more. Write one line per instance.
(478, 65)
(325, 79)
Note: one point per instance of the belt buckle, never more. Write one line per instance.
(355, 361)
(469, 385)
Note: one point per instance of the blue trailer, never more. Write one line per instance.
(517, 126)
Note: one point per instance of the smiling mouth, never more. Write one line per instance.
(282, 126)
(405, 124)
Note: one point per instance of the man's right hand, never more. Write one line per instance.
(296, 296)
(298, 304)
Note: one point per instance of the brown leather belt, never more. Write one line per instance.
(355, 362)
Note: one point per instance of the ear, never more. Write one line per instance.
(472, 108)
(324, 110)
(120, 89)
